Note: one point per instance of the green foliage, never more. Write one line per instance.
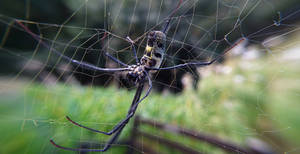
(257, 99)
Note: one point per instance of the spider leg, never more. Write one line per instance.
(187, 65)
(106, 147)
(171, 15)
(147, 93)
(199, 63)
(131, 111)
(122, 124)
(75, 149)
(115, 59)
(80, 63)
(133, 49)
(129, 115)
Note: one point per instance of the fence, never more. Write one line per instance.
(201, 137)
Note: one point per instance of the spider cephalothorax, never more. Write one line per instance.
(136, 73)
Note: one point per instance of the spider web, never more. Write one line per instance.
(40, 87)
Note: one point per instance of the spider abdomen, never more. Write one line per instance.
(154, 51)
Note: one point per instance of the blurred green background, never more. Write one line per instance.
(237, 100)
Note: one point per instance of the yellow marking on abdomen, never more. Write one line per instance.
(148, 48)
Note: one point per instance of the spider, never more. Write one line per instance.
(138, 74)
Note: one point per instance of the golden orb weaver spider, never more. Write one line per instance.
(139, 73)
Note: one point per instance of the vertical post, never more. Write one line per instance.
(133, 135)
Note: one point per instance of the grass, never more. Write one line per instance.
(257, 99)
